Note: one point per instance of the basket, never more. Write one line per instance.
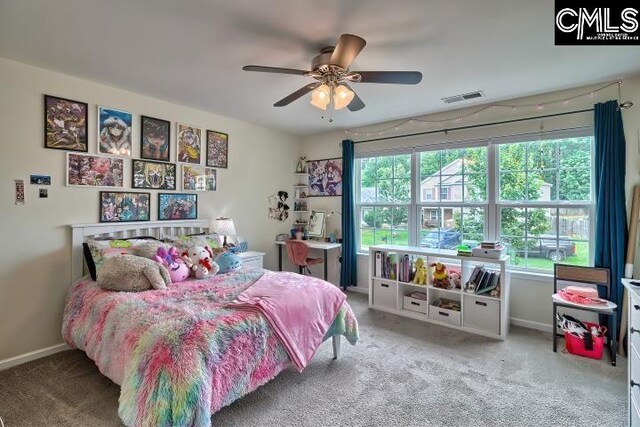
(576, 346)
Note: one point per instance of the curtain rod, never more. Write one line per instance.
(429, 132)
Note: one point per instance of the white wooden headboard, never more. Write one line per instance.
(158, 229)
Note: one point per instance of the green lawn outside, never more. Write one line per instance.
(401, 237)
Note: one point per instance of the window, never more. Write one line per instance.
(384, 200)
(545, 201)
(458, 216)
(534, 194)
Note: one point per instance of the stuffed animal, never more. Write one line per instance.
(228, 262)
(455, 280)
(171, 260)
(440, 275)
(199, 260)
(132, 274)
(421, 273)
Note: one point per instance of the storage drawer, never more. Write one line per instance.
(482, 314)
(253, 262)
(444, 315)
(635, 414)
(384, 294)
(634, 373)
(415, 305)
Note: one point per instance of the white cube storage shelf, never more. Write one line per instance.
(479, 314)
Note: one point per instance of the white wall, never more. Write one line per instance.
(530, 295)
(35, 269)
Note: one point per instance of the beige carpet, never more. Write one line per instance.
(402, 372)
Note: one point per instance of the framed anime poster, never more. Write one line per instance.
(177, 206)
(85, 170)
(121, 206)
(325, 177)
(114, 132)
(198, 178)
(217, 149)
(189, 144)
(153, 175)
(154, 139)
(65, 124)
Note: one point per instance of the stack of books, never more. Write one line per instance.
(464, 250)
(482, 280)
(406, 268)
(386, 265)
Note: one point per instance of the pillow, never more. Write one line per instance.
(97, 251)
(148, 249)
(182, 243)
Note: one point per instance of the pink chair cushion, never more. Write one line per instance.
(297, 252)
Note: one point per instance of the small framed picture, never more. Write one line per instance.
(154, 175)
(114, 132)
(65, 124)
(172, 206)
(189, 145)
(40, 179)
(198, 178)
(94, 171)
(155, 139)
(121, 206)
(217, 149)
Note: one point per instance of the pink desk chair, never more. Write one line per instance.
(297, 252)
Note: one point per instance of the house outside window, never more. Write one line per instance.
(532, 193)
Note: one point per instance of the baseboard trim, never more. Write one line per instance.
(358, 289)
(531, 325)
(32, 355)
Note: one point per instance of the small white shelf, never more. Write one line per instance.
(480, 314)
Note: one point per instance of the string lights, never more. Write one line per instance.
(538, 106)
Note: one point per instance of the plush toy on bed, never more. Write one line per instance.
(171, 260)
(228, 262)
(132, 274)
(200, 262)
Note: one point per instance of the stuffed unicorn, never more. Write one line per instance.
(170, 259)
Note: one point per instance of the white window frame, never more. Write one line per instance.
(492, 206)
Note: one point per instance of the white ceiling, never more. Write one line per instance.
(192, 51)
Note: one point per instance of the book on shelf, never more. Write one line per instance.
(490, 244)
(482, 280)
(386, 265)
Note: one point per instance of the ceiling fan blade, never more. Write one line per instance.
(348, 47)
(392, 77)
(356, 103)
(277, 70)
(297, 94)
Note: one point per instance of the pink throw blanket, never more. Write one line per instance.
(300, 312)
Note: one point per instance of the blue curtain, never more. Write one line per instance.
(611, 210)
(349, 266)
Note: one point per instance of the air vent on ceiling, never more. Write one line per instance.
(463, 97)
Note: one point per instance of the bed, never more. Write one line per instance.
(179, 354)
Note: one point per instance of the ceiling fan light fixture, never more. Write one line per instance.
(321, 96)
(342, 97)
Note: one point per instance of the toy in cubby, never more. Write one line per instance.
(445, 277)
(421, 272)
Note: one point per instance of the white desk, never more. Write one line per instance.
(313, 244)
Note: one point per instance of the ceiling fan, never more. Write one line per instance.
(331, 71)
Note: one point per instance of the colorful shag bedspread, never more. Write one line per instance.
(178, 354)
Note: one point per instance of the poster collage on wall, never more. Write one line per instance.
(66, 128)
